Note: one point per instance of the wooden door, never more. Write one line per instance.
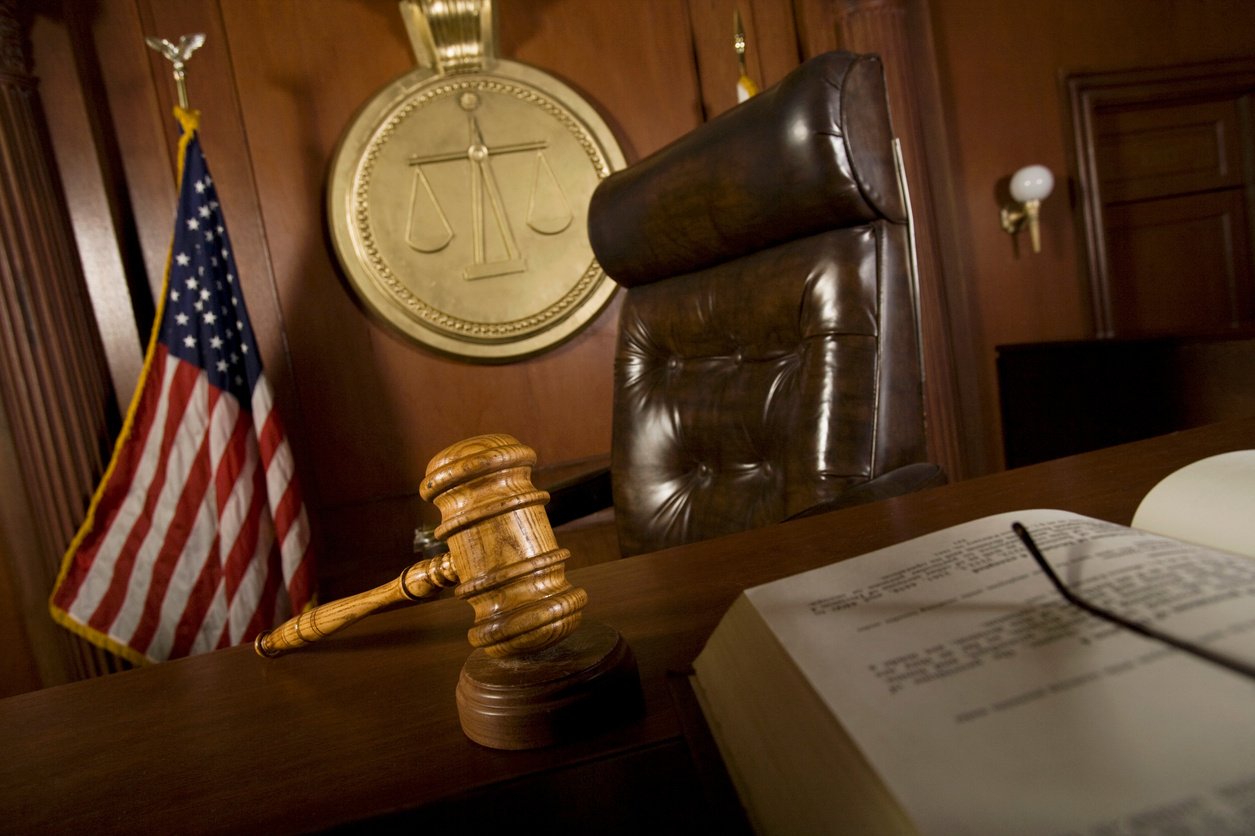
(1166, 181)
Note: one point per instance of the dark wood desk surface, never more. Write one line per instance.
(365, 726)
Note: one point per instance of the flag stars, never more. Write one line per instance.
(205, 320)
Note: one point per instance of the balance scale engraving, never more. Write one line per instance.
(428, 229)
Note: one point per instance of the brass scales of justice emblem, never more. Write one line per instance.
(458, 195)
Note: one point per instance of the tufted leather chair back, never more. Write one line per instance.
(768, 358)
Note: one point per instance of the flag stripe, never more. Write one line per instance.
(251, 538)
(296, 558)
(300, 571)
(203, 561)
(179, 548)
(243, 508)
(175, 533)
(255, 584)
(199, 598)
(269, 434)
(241, 500)
(113, 493)
(266, 610)
(191, 544)
(169, 457)
(291, 524)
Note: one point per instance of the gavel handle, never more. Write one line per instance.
(419, 581)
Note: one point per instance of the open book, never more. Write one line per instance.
(943, 685)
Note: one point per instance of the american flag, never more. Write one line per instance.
(197, 536)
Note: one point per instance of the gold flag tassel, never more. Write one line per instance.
(745, 86)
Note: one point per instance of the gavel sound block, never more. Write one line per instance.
(540, 673)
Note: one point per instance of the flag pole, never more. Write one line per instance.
(178, 55)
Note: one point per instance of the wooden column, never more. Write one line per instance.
(54, 385)
(899, 32)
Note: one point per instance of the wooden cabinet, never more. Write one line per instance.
(1062, 398)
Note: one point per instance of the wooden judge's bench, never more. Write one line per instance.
(361, 731)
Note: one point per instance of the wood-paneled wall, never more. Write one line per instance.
(279, 80)
(58, 412)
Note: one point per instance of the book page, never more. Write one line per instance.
(1210, 502)
(988, 704)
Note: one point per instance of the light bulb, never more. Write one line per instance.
(1032, 182)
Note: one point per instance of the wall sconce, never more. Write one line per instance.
(1029, 187)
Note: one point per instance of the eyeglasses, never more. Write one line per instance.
(1137, 627)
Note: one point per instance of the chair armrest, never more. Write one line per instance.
(904, 480)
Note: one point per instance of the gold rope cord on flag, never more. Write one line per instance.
(190, 121)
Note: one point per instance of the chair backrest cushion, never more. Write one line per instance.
(812, 153)
(768, 351)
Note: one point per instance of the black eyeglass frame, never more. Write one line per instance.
(1071, 597)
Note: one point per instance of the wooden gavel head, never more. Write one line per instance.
(538, 675)
(502, 548)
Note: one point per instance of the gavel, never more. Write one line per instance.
(539, 673)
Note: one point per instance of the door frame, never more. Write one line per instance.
(1086, 93)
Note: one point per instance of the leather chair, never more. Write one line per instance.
(768, 360)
